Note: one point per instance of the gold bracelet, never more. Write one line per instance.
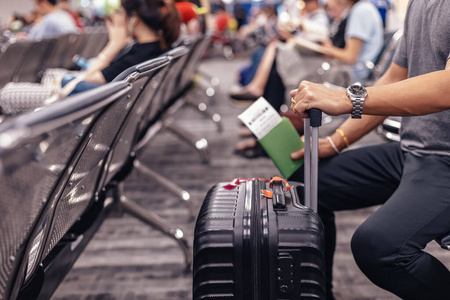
(342, 134)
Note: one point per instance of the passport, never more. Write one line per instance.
(279, 143)
(276, 134)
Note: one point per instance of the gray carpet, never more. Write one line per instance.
(128, 260)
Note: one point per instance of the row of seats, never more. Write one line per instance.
(62, 169)
(26, 60)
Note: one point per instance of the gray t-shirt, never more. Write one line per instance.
(425, 48)
(364, 22)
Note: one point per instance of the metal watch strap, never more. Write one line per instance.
(357, 107)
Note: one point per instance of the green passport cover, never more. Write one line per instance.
(279, 143)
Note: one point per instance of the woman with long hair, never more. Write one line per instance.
(152, 24)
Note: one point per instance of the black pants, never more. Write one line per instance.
(388, 246)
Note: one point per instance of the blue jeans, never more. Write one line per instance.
(80, 87)
(415, 193)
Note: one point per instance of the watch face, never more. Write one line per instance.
(357, 90)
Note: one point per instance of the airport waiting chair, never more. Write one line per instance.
(94, 40)
(11, 56)
(65, 48)
(42, 173)
(76, 42)
(79, 196)
(32, 64)
(383, 61)
(166, 102)
(152, 121)
(177, 93)
(126, 154)
(108, 148)
(195, 87)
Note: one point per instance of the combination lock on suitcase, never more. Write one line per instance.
(255, 238)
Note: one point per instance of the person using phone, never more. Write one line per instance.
(152, 25)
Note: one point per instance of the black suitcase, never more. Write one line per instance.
(255, 239)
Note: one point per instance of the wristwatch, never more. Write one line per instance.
(357, 95)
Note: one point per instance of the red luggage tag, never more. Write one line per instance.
(237, 181)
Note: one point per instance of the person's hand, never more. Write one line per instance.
(327, 47)
(117, 26)
(21, 35)
(312, 95)
(325, 150)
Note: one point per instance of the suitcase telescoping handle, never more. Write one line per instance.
(311, 159)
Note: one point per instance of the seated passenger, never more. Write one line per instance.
(65, 6)
(189, 17)
(141, 30)
(153, 24)
(270, 79)
(363, 42)
(54, 22)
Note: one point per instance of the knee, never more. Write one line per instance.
(371, 249)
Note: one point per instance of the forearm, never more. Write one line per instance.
(406, 98)
(354, 129)
(103, 59)
(342, 55)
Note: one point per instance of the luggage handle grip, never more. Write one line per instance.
(311, 157)
(278, 200)
(315, 117)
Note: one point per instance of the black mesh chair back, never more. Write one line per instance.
(391, 40)
(166, 94)
(10, 59)
(93, 43)
(88, 175)
(75, 43)
(39, 157)
(200, 45)
(63, 50)
(33, 63)
(146, 77)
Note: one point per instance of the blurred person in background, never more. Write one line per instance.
(139, 31)
(239, 15)
(383, 7)
(189, 17)
(363, 42)
(153, 25)
(65, 6)
(54, 22)
(267, 81)
(16, 23)
(356, 36)
(221, 21)
(315, 17)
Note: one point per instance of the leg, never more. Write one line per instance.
(388, 245)
(274, 91)
(354, 179)
(258, 84)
